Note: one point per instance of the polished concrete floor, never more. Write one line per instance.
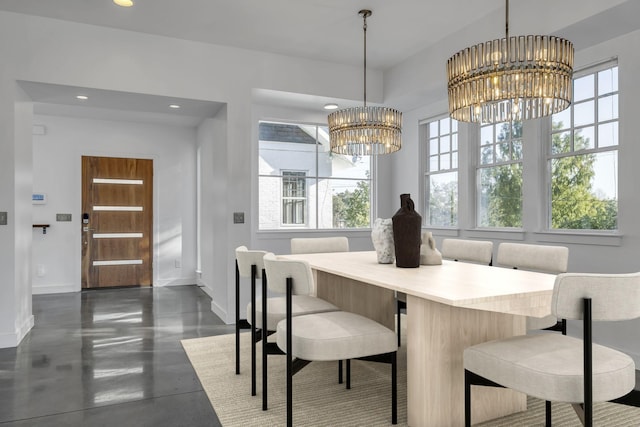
(109, 358)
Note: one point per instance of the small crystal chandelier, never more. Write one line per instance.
(515, 78)
(362, 131)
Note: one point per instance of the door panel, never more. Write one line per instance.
(117, 198)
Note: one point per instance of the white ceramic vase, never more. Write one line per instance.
(382, 237)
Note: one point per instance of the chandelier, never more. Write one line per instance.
(366, 130)
(515, 78)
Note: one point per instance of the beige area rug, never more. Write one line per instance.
(319, 401)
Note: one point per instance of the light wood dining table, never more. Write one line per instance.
(449, 307)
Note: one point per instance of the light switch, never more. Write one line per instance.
(3, 218)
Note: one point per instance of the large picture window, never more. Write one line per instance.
(499, 176)
(583, 154)
(302, 185)
(441, 173)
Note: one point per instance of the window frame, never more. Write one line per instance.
(305, 214)
(426, 156)
(317, 178)
(549, 156)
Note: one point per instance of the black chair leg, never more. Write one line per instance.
(547, 413)
(348, 374)
(289, 355)
(253, 329)
(237, 319)
(467, 398)
(340, 372)
(264, 341)
(394, 388)
(398, 304)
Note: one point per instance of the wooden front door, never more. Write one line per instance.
(117, 222)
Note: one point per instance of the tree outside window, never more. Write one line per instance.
(499, 176)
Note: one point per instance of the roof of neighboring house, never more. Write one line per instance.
(281, 132)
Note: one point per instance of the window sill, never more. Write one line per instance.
(443, 232)
(287, 234)
(578, 238)
(497, 233)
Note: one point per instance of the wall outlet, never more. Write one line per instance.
(178, 263)
(3, 218)
(238, 217)
(63, 217)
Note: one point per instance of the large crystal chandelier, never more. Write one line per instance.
(515, 78)
(366, 130)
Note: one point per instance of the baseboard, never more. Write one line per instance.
(12, 340)
(53, 289)
(181, 281)
(220, 312)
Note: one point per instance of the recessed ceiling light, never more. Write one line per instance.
(82, 97)
(331, 106)
(176, 106)
(124, 3)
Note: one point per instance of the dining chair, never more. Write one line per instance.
(249, 264)
(328, 336)
(543, 258)
(478, 251)
(267, 312)
(557, 367)
(313, 245)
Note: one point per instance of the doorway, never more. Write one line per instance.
(117, 222)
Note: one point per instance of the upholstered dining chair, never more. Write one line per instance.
(267, 312)
(249, 264)
(543, 258)
(314, 245)
(561, 368)
(328, 336)
(478, 251)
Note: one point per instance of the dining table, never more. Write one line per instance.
(450, 306)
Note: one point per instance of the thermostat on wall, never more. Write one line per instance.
(39, 198)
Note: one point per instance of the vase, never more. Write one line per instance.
(407, 225)
(429, 254)
(382, 238)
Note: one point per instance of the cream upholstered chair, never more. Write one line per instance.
(268, 311)
(478, 251)
(547, 259)
(316, 245)
(249, 264)
(313, 245)
(557, 367)
(336, 335)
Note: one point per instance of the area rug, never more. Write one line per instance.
(319, 400)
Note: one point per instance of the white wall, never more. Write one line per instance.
(57, 165)
(52, 51)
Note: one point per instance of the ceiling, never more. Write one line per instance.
(327, 30)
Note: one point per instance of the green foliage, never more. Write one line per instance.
(501, 185)
(351, 208)
(574, 204)
(443, 203)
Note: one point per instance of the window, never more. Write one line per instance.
(441, 176)
(302, 185)
(583, 155)
(294, 197)
(499, 175)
